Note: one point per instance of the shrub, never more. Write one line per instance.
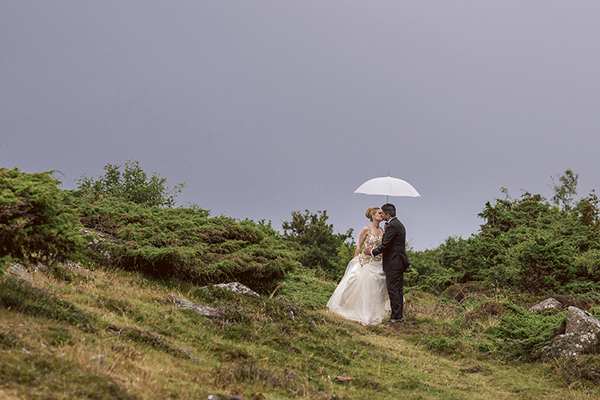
(186, 243)
(319, 245)
(521, 334)
(132, 185)
(34, 222)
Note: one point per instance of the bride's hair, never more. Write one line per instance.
(370, 212)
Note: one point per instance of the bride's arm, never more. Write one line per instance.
(361, 240)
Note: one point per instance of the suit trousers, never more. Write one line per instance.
(395, 288)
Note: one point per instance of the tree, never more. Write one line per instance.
(132, 185)
(320, 246)
(566, 190)
(34, 221)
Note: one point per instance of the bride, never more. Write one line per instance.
(362, 294)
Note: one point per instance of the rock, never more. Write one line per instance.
(78, 269)
(545, 304)
(199, 309)
(234, 287)
(572, 345)
(581, 322)
(474, 370)
(581, 337)
(98, 358)
(19, 271)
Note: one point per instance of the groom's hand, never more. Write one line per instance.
(367, 251)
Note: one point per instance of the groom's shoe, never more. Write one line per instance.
(393, 321)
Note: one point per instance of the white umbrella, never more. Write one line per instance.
(388, 186)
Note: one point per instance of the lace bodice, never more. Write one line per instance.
(371, 241)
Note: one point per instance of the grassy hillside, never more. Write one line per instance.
(112, 335)
(109, 331)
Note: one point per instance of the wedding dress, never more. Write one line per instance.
(362, 295)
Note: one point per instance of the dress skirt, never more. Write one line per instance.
(361, 295)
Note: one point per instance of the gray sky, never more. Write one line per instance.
(266, 107)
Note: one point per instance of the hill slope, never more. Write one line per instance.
(111, 334)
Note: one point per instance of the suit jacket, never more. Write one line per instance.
(393, 247)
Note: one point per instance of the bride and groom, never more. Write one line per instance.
(373, 283)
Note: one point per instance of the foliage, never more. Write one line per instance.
(319, 244)
(34, 222)
(521, 334)
(524, 244)
(345, 253)
(185, 243)
(566, 190)
(132, 185)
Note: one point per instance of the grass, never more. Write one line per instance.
(52, 337)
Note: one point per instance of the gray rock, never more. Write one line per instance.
(234, 287)
(19, 271)
(582, 336)
(78, 269)
(100, 358)
(545, 304)
(572, 345)
(581, 322)
(199, 309)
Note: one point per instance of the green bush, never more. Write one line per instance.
(521, 334)
(318, 244)
(131, 185)
(34, 222)
(186, 243)
(525, 244)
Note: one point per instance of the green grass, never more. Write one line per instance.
(255, 348)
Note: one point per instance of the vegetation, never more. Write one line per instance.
(186, 244)
(109, 332)
(524, 244)
(131, 185)
(34, 222)
(319, 246)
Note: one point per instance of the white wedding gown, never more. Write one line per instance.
(362, 295)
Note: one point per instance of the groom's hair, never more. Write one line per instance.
(389, 209)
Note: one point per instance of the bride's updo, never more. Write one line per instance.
(370, 212)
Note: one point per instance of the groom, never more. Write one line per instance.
(395, 260)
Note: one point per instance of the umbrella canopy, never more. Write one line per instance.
(388, 186)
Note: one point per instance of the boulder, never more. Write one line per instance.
(573, 345)
(581, 322)
(19, 271)
(546, 304)
(581, 337)
(199, 309)
(234, 287)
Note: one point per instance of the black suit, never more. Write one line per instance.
(395, 262)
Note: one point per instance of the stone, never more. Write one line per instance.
(234, 287)
(78, 269)
(199, 309)
(546, 304)
(581, 322)
(572, 345)
(100, 358)
(581, 337)
(19, 271)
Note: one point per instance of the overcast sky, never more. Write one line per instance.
(267, 107)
